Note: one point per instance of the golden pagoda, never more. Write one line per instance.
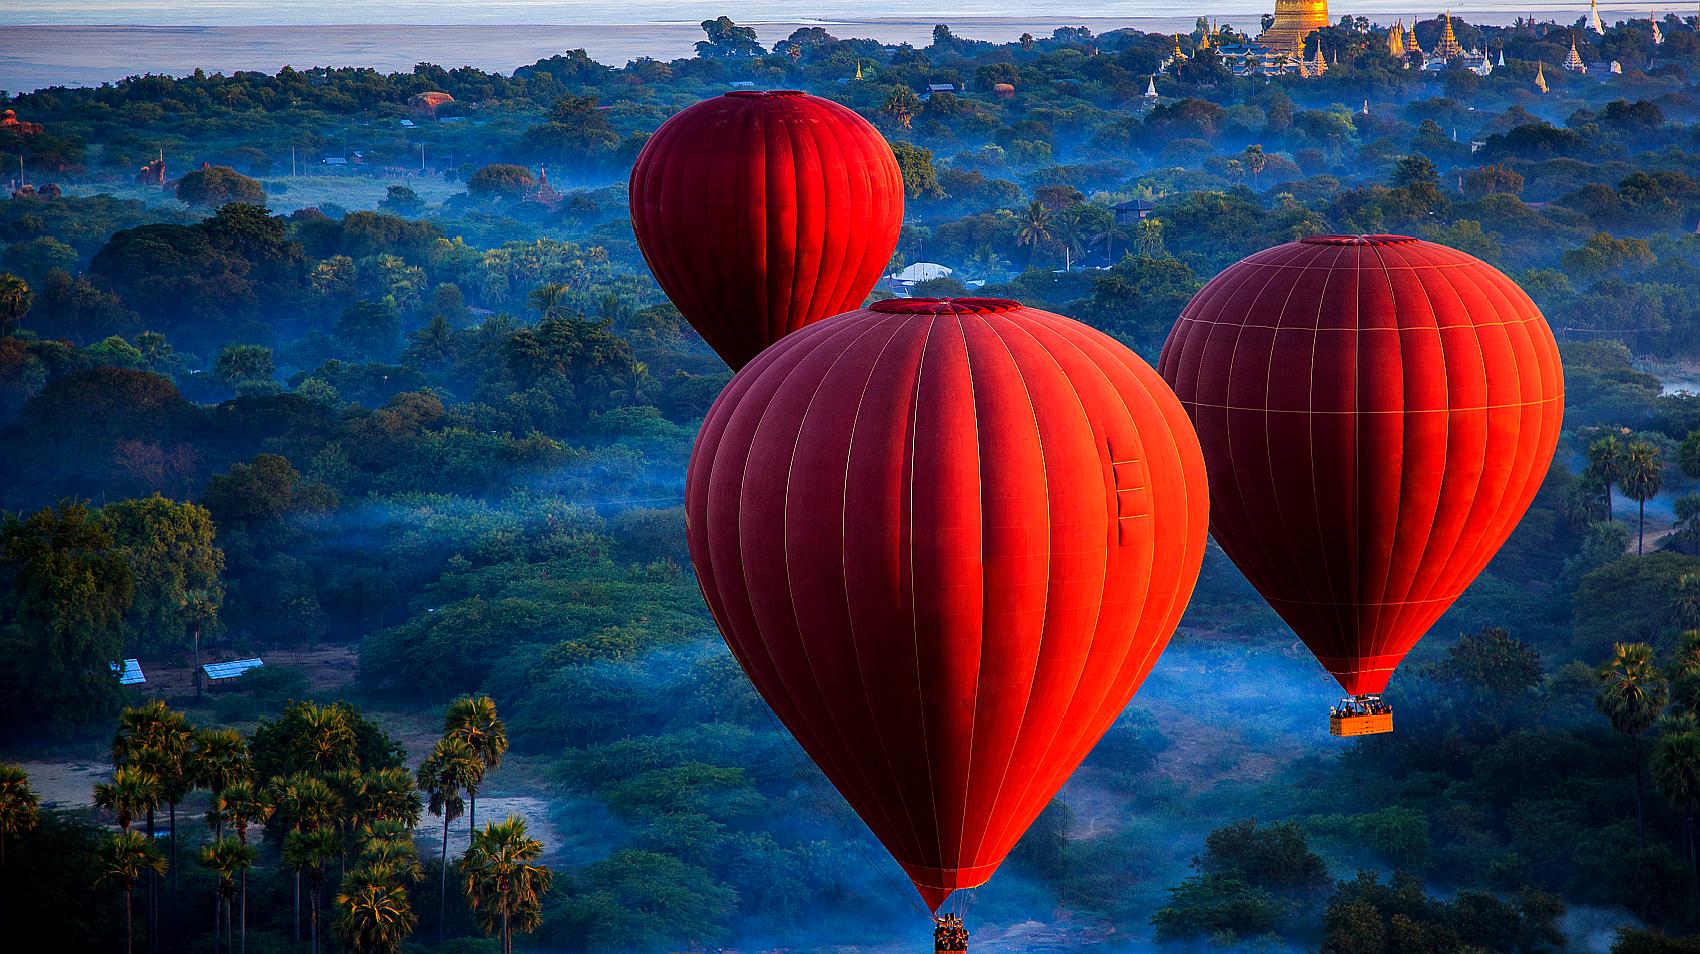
(1321, 66)
(858, 69)
(1573, 62)
(1540, 77)
(1448, 47)
(1294, 20)
(1396, 40)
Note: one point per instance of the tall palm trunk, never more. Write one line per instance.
(172, 808)
(153, 898)
(1640, 815)
(1641, 528)
(471, 812)
(443, 882)
(129, 926)
(244, 910)
(297, 906)
(197, 660)
(507, 937)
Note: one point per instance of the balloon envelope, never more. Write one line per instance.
(760, 212)
(947, 540)
(1377, 413)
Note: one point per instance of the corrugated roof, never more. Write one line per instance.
(132, 674)
(232, 668)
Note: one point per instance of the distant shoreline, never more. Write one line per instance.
(37, 56)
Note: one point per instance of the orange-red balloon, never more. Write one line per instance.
(1377, 413)
(947, 540)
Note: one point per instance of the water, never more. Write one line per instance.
(89, 42)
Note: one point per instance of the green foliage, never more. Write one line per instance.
(213, 186)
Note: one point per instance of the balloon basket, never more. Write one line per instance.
(1360, 725)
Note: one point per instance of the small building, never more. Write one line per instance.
(1131, 211)
(409, 124)
(429, 102)
(9, 122)
(334, 161)
(920, 272)
(221, 674)
(131, 674)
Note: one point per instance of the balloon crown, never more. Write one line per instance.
(764, 93)
(944, 306)
(1357, 240)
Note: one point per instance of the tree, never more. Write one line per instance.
(242, 804)
(551, 301)
(373, 916)
(727, 39)
(159, 739)
(451, 768)
(920, 176)
(133, 791)
(1035, 231)
(122, 861)
(218, 760)
(20, 812)
(304, 804)
(308, 852)
(15, 301)
(245, 367)
(177, 568)
(473, 720)
(228, 858)
(500, 181)
(1606, 464)
(1254, 161)
(504, 884)
(213, 186)
(1676, 775)
(69, 588)
(1632, 694)
(901, 104)
(1643, 475)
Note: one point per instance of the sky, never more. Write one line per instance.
(252, 12)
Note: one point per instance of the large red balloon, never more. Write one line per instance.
(947, 539)
(1377, 413)
(761, 212)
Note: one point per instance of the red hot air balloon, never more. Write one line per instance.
(1377, 413)
(947, 539)
(761, 212)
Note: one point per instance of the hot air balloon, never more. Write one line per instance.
(760, 212)
(1377, 413)
(946, 539)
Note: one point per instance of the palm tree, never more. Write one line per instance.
(200, 611)
(122, 860)
(902, 104)
(1254, 161)
(1643, 474)
(327, 740)
(374, 915)
(307, 804)
(133, 791)
(226, 857)
(1148, 239)
(1605, 464)
(1686, 536)
(15, 300)
(1035, 228)
(219, 758)
(1066, 231)
(308, 852)
(1684, 670)
(20, 812)
(1632, 694)
(550, 300)
(1107, 232)
(243, 804)
(450, 768)
(160, 738)
(387, 847)
(1676, 774)
(504, 884)
(473, 720)
(389, 794)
